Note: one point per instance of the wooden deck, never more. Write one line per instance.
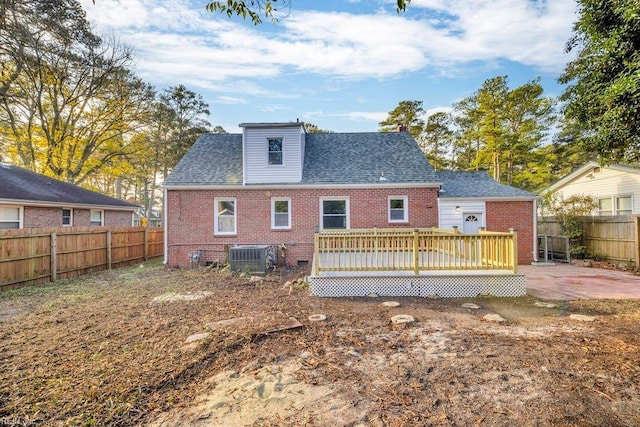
(415, 263)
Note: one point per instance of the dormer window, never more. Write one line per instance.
(275, 151)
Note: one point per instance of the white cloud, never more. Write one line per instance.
(230, 100)
(376, 116)
(176, 40)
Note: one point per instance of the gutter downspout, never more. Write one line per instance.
(535, 230)
(244, 166)
(166, 239)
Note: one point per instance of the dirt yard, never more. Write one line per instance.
(200, 347)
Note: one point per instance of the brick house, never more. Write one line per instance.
(31, 200)
(470, 200)
(274, 184)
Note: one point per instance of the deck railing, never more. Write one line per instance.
(413, 250)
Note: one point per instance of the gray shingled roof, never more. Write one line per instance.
(459, 184)
(21, 184)
(330, 158)
(214, 159)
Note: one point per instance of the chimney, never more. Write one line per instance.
(400, 128)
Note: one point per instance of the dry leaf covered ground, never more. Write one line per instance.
(147, 345)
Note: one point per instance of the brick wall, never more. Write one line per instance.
(52, 217)
(501, 216)
(190, 218)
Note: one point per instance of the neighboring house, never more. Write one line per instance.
(474, 200)
(29, 200)
(615, 187)
(274, 184)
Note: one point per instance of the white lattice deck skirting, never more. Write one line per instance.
(396, 284)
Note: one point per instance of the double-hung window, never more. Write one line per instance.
(97, 218)
(281, 213)
(67, 217)
(275, 151)
(623, 205)
(225, 219)
(10, 217)
(334, 213)
(398, 209)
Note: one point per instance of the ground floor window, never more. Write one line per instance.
(225, 216)
(398, 209)
(334, 213)
(616, 205)
(10, 217)
(97, 218)
(67, 217)
(281, 213)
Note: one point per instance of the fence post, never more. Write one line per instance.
(636, 239)
(146, 244)
(316, 252)
(54, 256)
(416, 254)
(514, 249)
(109, 250)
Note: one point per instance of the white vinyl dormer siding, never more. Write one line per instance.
(257, 166)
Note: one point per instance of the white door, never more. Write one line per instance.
(471, 223)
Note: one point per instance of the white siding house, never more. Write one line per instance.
(467, 215)
(616, 187)
(273, 152)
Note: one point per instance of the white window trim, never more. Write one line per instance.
(20, 215)
(216, 201)
(70, 218)
(622, 196)
(405, 204)
(282, 152)
(101, 217)
(273, 213)
(336, 198)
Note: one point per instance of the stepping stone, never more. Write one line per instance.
(582, 318)
(197, 337)
(391, 304)
(496, 318)
(544, 304)
(317, 318)
(471, 306)
(402, 318)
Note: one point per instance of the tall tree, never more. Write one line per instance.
(436, 140)
(71, 110)
(603, 95)
(502, 128)
(186, 121)
(311, 128)
(408, 114)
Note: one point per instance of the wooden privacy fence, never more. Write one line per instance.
(38, 255)
(614, 238)
(413, 250)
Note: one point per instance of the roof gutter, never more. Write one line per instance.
(66, 204)
(304, 186)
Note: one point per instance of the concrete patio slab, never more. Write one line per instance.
(570, 282)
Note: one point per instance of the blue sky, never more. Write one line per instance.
(342, 65)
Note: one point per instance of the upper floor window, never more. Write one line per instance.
(225, 216)
(398, 209)
(275, 151)
(10, 217)
(67, 217)
(97, 217)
